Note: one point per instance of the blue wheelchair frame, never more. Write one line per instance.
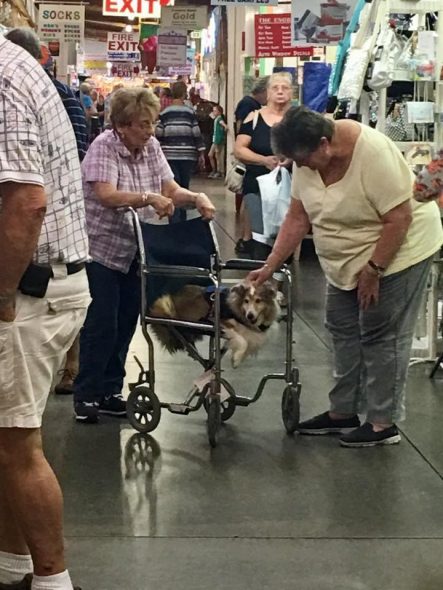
(160, 247)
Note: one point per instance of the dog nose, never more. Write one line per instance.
(250, 316)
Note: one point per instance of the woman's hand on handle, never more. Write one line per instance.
(163, 206)
(205, 206)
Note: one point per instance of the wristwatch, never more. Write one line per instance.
(380, 270)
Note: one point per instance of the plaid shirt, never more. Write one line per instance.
(111, 235)
(37, 146)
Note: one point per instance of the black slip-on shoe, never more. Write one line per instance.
(323, 424)
(366, 437)
(25, 584)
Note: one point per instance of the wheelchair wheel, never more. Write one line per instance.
(290, 407)
(228, 406)
(214, 419)
(143, 409)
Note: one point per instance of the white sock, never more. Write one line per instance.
(13, 568)
(57, 582)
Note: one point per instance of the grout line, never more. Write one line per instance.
(240, 538)
(422, 455)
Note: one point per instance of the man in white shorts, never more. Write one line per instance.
(43, 300)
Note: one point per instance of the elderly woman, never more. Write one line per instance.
(253, 148)
(375, 245)
(124, 167)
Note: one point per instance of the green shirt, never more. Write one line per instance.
(219, 131)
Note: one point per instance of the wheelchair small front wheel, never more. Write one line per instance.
(143, 409)
(227, 406)
(290, 407)
(214, 419)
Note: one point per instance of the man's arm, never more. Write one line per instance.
(21, 217)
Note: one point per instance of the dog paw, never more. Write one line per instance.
(236, 359)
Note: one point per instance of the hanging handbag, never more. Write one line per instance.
(236, 174)
(388, 49)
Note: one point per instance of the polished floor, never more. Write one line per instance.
(263, 510)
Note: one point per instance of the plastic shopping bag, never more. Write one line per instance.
(275, 192)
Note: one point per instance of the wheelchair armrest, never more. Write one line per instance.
(178, 271)
(244, 264)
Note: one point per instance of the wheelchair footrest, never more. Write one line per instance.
(179, 408)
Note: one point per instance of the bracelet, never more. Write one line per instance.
(380, 270)
(145, 198)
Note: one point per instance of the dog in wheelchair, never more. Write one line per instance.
(246, 311)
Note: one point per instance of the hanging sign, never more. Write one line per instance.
(123, 47)
(141, 8)
(320, 22)
(171, 49)
(273, 37)
(60, 23)
(185, 17)
(243, 2)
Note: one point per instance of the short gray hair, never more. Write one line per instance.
(27, 39)
(260, 86)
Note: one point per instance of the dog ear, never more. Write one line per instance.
(239, 289)
(269, 291)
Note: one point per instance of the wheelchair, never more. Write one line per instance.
(171, 256)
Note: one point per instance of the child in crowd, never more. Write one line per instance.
(217, 151)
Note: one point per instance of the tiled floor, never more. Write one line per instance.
(262, 510)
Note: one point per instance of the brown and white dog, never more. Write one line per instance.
(246, 314)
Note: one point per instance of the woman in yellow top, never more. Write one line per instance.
(375, 245)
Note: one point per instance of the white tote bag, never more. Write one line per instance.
(275, 193)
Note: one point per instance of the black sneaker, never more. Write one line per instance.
(113, 406)
(86, 412)
(323, 424)
(366, 437)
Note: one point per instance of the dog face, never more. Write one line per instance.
(256, 305)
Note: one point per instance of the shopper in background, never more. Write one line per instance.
(217, 151)
(108, 99)
(251, 102)
(180, 138)
(165, 98)
(375, 243)
(248, 104)
(43, 299)
(89, 108)
(124, 167)
(253, 148)
(101, 111)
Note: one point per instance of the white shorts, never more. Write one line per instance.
(33, 347)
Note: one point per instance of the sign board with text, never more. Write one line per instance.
(61, 23)
(141, 8)
(123, 47)
(273, 37)
(190, 18)
(171, 49)
(321, 22)
(244, 2)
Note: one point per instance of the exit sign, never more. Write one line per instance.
(141, 8)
